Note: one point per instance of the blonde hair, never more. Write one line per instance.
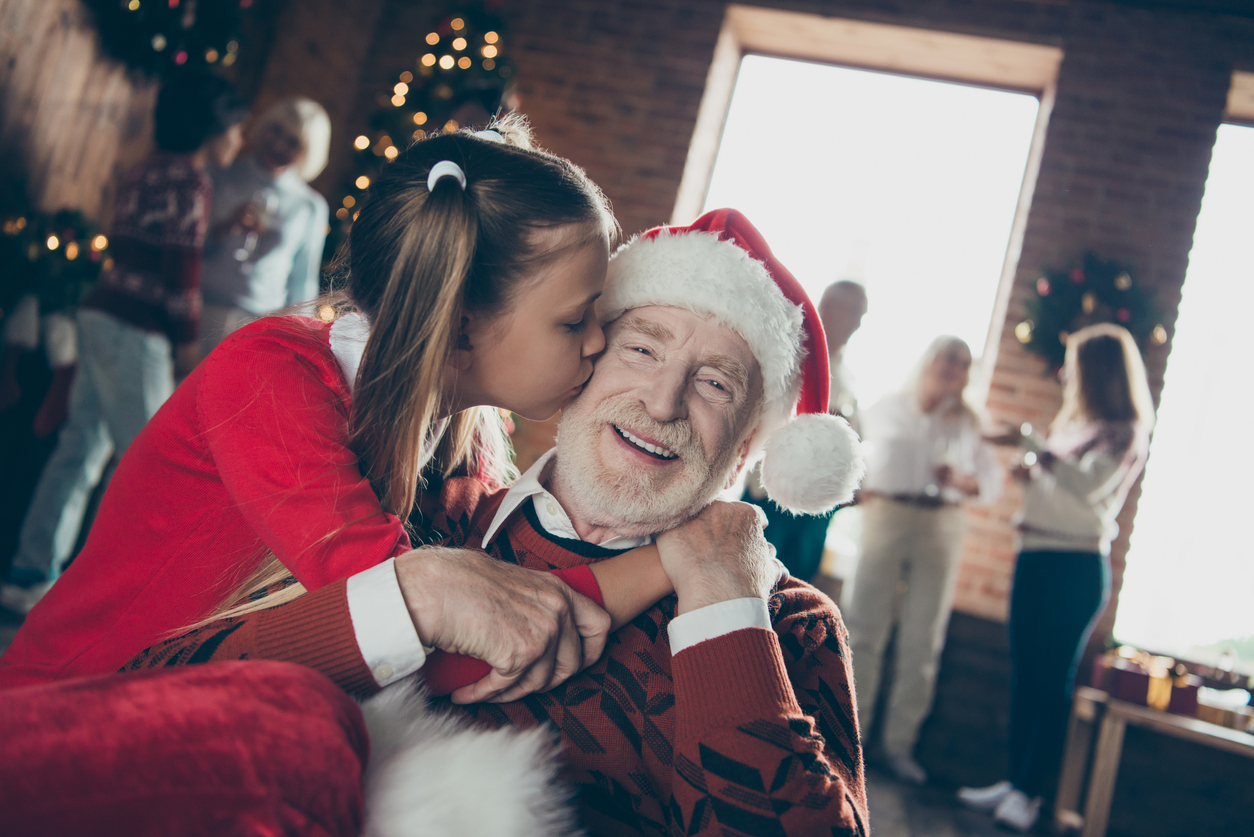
(957, 408)
(417, 260)
(1104, 379)
(308, 120)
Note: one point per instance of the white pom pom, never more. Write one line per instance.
(813, 464)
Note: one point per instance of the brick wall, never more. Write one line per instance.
(615, 85)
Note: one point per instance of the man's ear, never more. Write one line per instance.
(741, 458)
(463, 350)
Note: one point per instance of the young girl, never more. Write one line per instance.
(1096, 448)
(474, 267)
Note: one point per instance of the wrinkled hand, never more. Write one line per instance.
(719, 555)
(532, 628)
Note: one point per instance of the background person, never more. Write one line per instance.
(799, 538)
(139, 327)
(264, 250)
(925, 457)
(1096, 448)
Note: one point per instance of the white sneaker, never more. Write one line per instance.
(906, 769)
(1018, 812)
(22, 599)
(985, 799)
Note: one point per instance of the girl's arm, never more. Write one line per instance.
(631, 583)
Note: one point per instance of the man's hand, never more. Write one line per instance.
(719, 555)
(529, 626)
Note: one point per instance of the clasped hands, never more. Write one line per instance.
(536, 632)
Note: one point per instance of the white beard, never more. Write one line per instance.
(633, 502)
(436, 775)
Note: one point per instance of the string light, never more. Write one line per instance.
(326, 313)
(398, 100)
(489, 51)
(451, 126)
(342, 214)
(489, 64)
(158, 42)
(458, 24)
(54, 242)
(211, 55)
(428, 59)
(407, 76)
(229, 59)
(133, 5)
(362, 182)
(361, 143)
(420, 118)
(349, 201)
(390, 152)
(99, 242)
(446, 62)
(401, 89)
(491, 38)
(433, 38)
(463, 62)
(459, 44)
(71, 251)
(420, 134)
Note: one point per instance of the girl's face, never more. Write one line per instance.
(537, 356)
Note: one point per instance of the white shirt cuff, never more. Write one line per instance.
(60, 341)
(385, 632)
(716, 620)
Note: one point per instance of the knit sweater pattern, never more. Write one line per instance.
(754, 732)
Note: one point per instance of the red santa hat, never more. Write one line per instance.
(720, 266)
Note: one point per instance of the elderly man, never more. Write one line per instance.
(726, 706)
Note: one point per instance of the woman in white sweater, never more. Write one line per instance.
(1075, 486)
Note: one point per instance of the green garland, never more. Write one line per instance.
(55, 255)
(1093, 291)
(157, 37)
(462, 62)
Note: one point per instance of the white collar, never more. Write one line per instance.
(548, 510)
(349, 334)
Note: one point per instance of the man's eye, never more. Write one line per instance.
(717, 385)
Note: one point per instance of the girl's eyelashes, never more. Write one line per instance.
(575, 328)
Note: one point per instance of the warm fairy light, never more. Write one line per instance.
(355, 214)
(446, 62)
(53, 241)
(107, 264)
(398, 100)
(489, 64)
(326, 313)
(362, 182)
(1159, 336)
(342, 214)
(158, 42)
(463, 62)
(489, 52)
(1023, 331)
(99, 242)
(491, 38)
(420, 134)
(71, 250)
(232, 46)
(133, 5)
(401, 89)
(451, 126)
(428, 59)
(20, 223)
(458, 24)
(433, 38)
(229, 59)
(361, 143)
(349, 201)
(420, 118)
(390, 152)
(459, 43)
(407, 76)
(211, 55)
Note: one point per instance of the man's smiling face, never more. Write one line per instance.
(662, 424)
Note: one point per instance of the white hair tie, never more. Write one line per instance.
(445, 168)
(490, 136)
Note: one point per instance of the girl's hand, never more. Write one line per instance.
(530, 627)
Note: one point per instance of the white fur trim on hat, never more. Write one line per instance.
(812, 464)
(701, 273)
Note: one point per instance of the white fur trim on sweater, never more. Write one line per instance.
(813, 464)
(698, 272)
(434, 774)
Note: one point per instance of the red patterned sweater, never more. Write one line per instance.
(754, 732)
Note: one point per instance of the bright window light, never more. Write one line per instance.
(1189, 585)
(907, 185)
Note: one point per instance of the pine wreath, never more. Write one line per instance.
(55, 255)
(156, 37)
(462, 71)
(1093, 291)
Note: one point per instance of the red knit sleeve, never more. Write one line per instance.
(274, 416)
(315, 631)
(766, 731)
(446, 673)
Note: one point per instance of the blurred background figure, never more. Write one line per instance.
(799, 539)
(1076, 483)
(139, 327)
(264, 251)
(925, 457)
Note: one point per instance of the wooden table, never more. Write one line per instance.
(1094, 710)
